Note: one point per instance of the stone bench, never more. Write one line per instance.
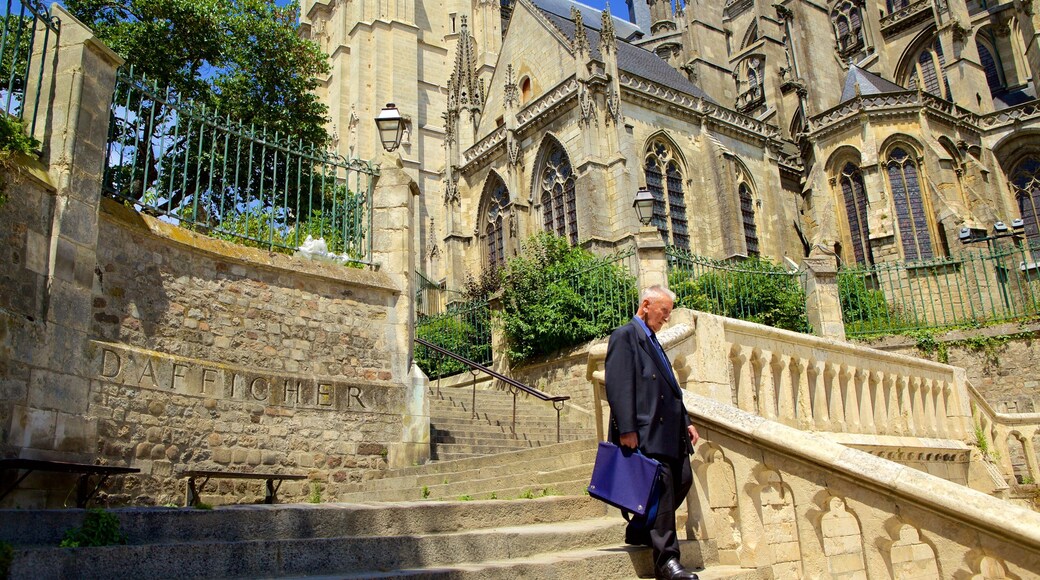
(84, 491)
(274, 481)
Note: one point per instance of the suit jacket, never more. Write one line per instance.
(644, 396)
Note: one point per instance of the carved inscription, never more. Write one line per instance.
(145, 370)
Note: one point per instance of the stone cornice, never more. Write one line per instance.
(720, 116)
(906, 17)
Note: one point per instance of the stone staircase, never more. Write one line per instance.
(552, 537)
(456, 432)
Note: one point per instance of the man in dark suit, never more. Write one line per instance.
(647, 413)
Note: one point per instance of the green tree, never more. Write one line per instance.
(757, 290)
(555, 295)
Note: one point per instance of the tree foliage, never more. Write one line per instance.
(555, 296)
(243, 58)
(757, 290)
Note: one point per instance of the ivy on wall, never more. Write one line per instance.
(13, 140)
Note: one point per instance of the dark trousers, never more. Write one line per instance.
(677, 478)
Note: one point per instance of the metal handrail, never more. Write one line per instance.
(515, 386)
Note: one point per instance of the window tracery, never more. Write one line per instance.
(1025, 182)
(664, 179)
(848, 27)
(559, 206)
(497, 198)
(911, 218)
(855, 196)
(929, 70)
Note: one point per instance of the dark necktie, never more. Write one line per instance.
(661, 355)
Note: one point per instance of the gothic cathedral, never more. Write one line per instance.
(872, 130)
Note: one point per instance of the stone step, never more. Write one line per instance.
(490, 448)
(463, 492)
(272, 522)
(497, 417)
(525, 425)
(543, 452)
(500, 441)
(606, 563)
(475, 429)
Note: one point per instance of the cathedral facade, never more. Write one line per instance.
(877, 131)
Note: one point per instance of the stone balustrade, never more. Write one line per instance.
(782, 481)
(860, 395)
(994, 430)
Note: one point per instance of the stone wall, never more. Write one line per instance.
(1000, 361)
(127, 341)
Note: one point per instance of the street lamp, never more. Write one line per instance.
(391, 126)
(644, 204)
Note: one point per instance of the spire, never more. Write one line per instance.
(607, 35)
(581, 41)
(464, 87)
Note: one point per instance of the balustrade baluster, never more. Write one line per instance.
(852, 396)
(803, 406)
(836, 404)
(943, 425)
(1031, 460)
(866, 401)
(821, 380)
(881, 410)
(906, 414)
(928, 395)
(915, 421)
(766, 386)
(785, 398)
(742, 372)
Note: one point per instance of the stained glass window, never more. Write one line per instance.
(931, 71)
(989, 64)
(664, 179)
(747, 214)
(559, 203)
(494, 233)
(910, 214)
(856, 212)
(1025, 180)
(847, 25)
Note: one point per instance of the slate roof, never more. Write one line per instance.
(631, 59)
(869, 84)
(622, 28)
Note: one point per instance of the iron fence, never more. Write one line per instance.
(753, 289)
(24, 43)
(608, 290)
(204, 172)
(997, 284)
(463, 329)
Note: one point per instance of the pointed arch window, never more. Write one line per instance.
(1025, 181)
(848, 27)
(930, 71)
(664, 179)
(894, 5)
(855, 196)
(912, 221)
(497, 197)
(559, 206)
(747, 216)
(989, 58)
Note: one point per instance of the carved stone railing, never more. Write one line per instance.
(1010, 115)
(780, 483)
(993, 430)
(857, 394)
(750, 99)
(906, 17)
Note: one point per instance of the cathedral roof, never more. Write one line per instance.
(861, 82)
(630, 58)
(625, 30)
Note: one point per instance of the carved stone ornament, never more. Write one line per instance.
(586, 105)
(512, 224)
(614, 108)
(512, 91)
(449, 126)
(514, 151)
(608, 36)
(960, 31)
(581, 41)
(434, 248)
(451, 192)
(783, 12)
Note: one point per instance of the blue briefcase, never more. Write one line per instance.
(627, 480)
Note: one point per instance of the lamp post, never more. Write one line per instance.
(644, 204)
(391, 126)
(1000, 230)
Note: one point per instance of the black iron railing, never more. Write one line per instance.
(515, 387)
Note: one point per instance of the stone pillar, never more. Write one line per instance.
(653, 265)
(393, 251)
(823, 307)
(51, 421)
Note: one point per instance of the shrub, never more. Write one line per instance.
(555, 296)
(757, 290)
(463, 329)
(13, 139)
(100, 528)
(864, 310)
